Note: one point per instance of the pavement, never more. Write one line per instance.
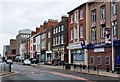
(99, 73)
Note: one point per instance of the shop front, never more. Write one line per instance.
(48, 55)
(100, 54)
(117, 55)
(76, 54)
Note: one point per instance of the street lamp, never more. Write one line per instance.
(112, 40)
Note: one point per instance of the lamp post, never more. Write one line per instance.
(112, 40)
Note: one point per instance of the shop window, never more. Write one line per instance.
(107, 60)
(78, 55)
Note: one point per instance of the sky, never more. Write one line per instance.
(29, 14)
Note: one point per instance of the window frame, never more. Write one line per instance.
(81, 14)
(90, 60)
(71, 18)
(102, 34)
(102, 12)
(93, 34)
(76, 16)
(106, 61)
(93, 15)
(100, 62)
(81, 31)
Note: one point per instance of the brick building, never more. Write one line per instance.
(103, 17)
(60, 40)
(78, 35)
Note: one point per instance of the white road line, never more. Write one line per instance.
(7, 75)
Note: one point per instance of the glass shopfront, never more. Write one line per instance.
(77, 56)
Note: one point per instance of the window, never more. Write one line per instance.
(53, 41)
(94, 16)
(59, 40)
(62, 27)
(34, 40)
(107, 60)
(92, 60)
(59, 28)
(56, 30)
(62, 41)
(48, 45)
(102, 12)
(78, 55)
(76, 16)
(81, 14)
(93, 33)
(53, 31)
(71, 19)
(102, 31)
(72, 34)
(48, 34)
(76, 33)
(56, 41)
(81, 32)
(99, 60)
(114, 8)
(114, 30)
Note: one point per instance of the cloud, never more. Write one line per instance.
(21, 14)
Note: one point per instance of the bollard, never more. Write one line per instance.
(88, 68)
(94, 68)
(98, 70)
(9, 67)
(74, 66)
(107, 68)
(80, 67)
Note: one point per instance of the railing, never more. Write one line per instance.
(87, 69)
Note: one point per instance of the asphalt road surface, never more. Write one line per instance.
(42, 74)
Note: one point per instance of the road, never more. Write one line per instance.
(30, 74)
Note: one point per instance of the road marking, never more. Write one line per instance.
(7, 75)
(66, 75)
(69, 76)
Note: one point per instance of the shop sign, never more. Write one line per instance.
(100, 45)
(48, 51)
(99, 50)
(75, 46)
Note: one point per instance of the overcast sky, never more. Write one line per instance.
(23, 14)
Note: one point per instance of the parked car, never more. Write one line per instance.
(26, 62)
(1, 62)
(9, 61)
(48, 62)
(56, 62)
